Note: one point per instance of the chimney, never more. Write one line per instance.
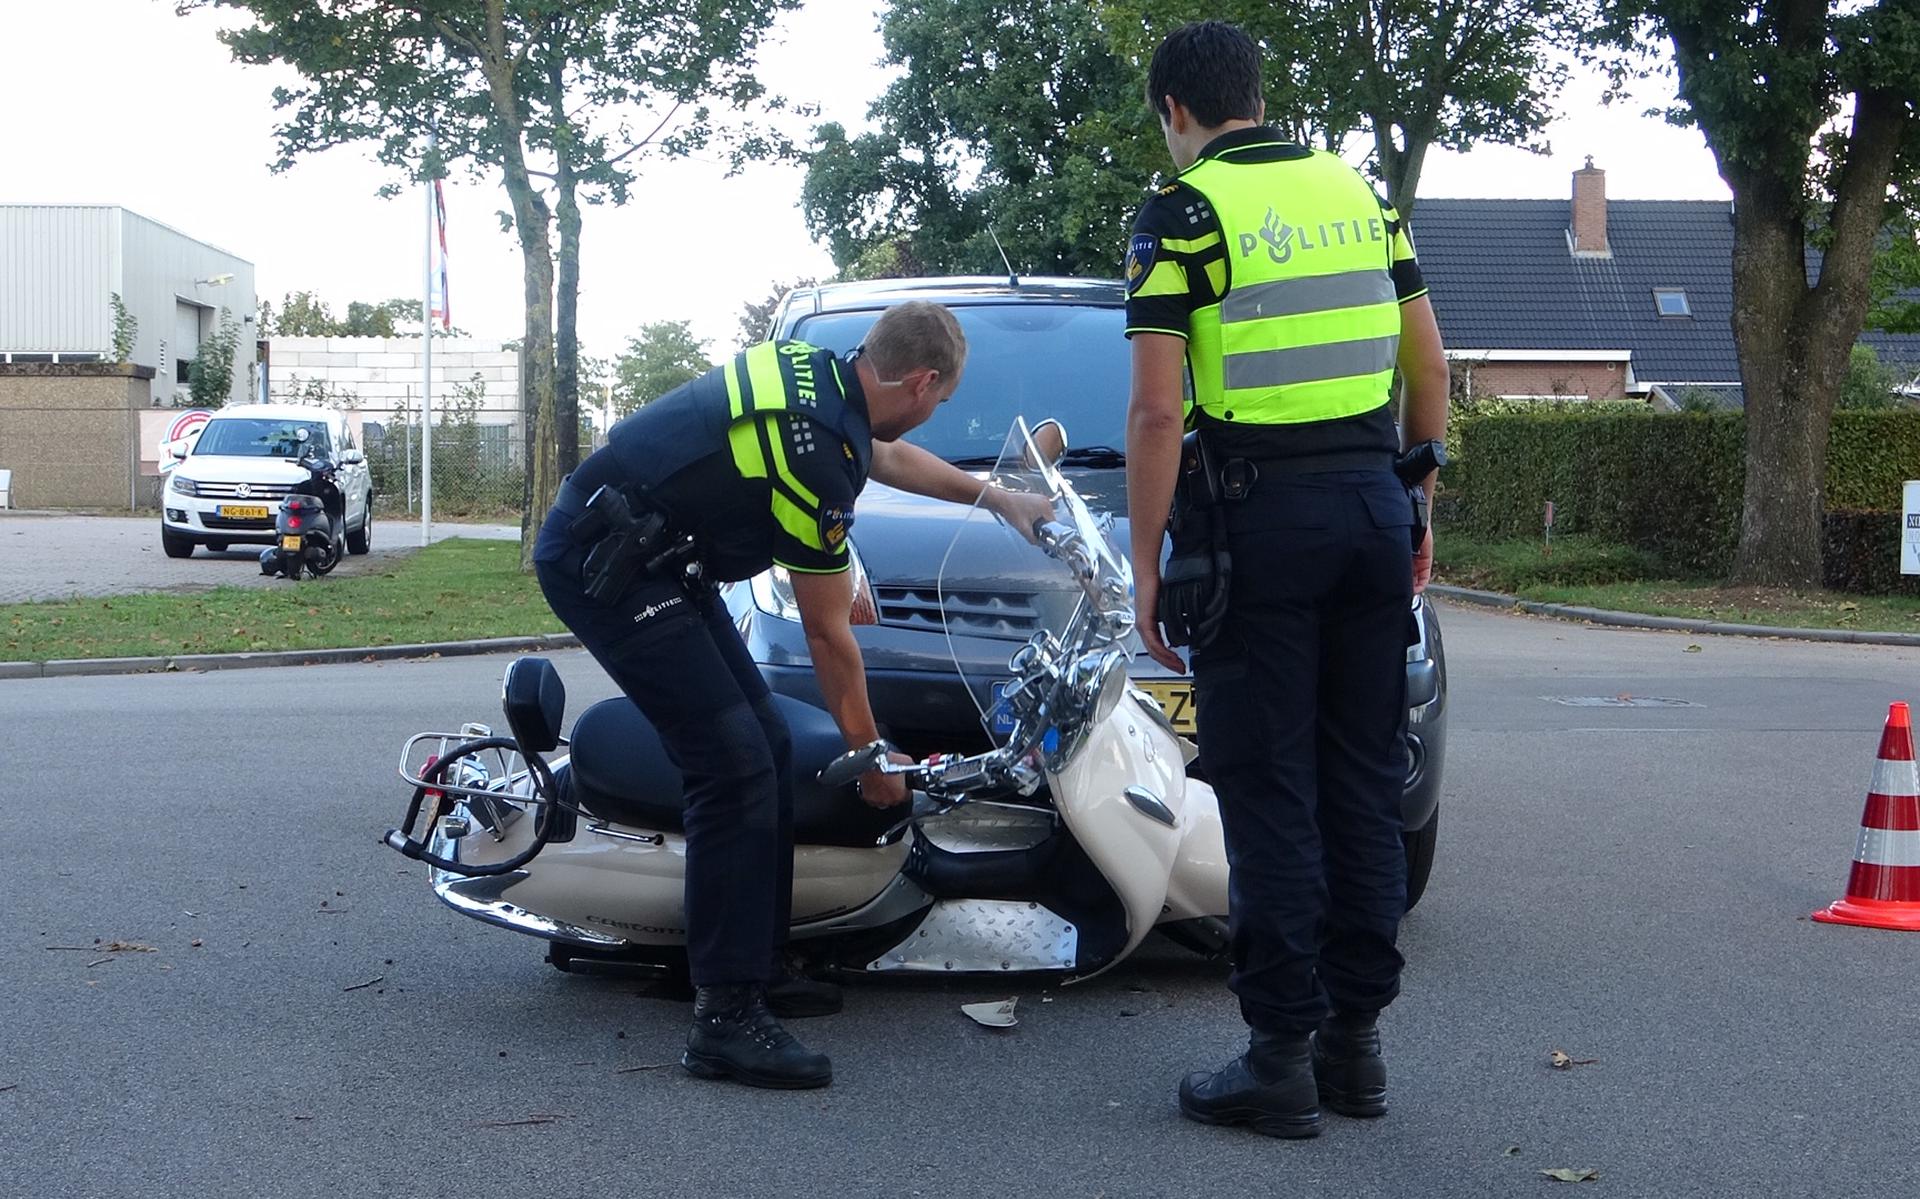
(1588, 235)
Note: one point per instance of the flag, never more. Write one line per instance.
(441, 307)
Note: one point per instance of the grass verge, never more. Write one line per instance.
(452, 591)
(1589, 573)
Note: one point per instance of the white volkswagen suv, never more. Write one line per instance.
(227, 488)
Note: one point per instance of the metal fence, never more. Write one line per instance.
(478, 469)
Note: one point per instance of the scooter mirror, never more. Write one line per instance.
(848, 767)
(1049, 441)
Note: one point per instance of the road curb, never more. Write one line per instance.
(1667, 624)
(70, 667)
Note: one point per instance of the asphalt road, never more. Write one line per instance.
(1628, 884)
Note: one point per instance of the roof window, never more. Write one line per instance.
(1671, 301)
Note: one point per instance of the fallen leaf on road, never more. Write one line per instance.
(637, 1069)
(1562, 1174)
(126, 947)
(303, 1117)
(1692, 649)
(98, 962)
(197, 942)
(368, 983)
(992, 1015)
(519, 1123)
(12, 1086)
(1512, 1151)
(1562, 1060)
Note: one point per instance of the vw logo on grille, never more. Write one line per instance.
(243, 490)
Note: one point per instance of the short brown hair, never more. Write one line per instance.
(913, 335)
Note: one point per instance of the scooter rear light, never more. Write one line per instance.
(293, 522)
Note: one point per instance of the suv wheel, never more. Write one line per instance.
(1420, 847)
(175, 544)
(361, 540)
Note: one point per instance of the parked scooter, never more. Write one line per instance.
(311, 521)
(1059, 849)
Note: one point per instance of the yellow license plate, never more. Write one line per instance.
(289, 543)
(1176, 700)
(242, 512)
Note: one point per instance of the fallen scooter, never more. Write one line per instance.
(1058, 850)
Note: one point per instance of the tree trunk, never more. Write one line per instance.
(1795, 341)
(566, 373)
(530, 219)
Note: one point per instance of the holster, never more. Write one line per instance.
(625, 541)
(1413, 467)
(1199, 573)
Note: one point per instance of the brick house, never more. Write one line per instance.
(1587, 299)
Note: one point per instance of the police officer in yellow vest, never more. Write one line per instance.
(1276, 275)
(753, 464)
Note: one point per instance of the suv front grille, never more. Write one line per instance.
(1011, 617)
(256, 492)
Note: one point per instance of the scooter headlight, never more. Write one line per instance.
(183, 485)
(773, 593)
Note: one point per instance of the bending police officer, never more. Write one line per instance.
(754, 464)
(1291, 292)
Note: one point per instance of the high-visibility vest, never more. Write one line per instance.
(1309, 326)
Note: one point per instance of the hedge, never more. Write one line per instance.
(1670, 484)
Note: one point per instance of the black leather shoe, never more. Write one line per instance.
(1269, 1089)
(793, 996)
(735, 1036)
(1352, 1075)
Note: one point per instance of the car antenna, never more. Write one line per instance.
(1013, 280)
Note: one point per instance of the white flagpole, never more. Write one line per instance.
(426, 381)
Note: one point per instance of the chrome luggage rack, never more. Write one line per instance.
(489, 773)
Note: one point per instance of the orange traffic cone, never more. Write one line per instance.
(1883, 891)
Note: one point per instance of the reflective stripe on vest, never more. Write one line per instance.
(1309, 327)
(773, 377)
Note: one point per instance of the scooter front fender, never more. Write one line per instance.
(1123, 796)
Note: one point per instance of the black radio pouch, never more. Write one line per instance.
(1199, 572)
(622, 542)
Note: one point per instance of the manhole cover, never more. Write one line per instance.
(1619, 701)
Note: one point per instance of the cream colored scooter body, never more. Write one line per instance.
(1152, 832)
(613, 885)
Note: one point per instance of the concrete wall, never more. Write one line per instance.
(384, 374)
(68, 433)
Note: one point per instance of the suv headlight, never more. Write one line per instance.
(183, 485)
(773, 593)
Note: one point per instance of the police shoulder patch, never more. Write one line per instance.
(835, 522)
(1140, 254)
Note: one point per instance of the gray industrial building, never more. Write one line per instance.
(61, 263)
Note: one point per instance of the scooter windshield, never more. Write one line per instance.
(1032, 587)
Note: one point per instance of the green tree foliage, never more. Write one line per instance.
(555, 96)
(126, 329)
(1028, 116)
(1808, 107)
(210, 375)
(1870, 383)
(661, 357)
(304, 314)
(1405, 77)
(1896, 280)
(1011, 115)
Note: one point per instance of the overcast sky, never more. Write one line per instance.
(122, 102)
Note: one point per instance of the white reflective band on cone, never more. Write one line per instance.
(1895, 779)
(1889, 847)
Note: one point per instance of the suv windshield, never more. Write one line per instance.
(1067, 361)
(251, 437)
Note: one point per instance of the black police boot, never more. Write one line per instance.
(1348, 1066)
(793, 996)
(735, 1036)
(1269, 1088)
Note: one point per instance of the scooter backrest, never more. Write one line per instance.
(535, 702)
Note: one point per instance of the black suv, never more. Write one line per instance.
(1037, 348)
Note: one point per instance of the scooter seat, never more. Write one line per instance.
(621, 773)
